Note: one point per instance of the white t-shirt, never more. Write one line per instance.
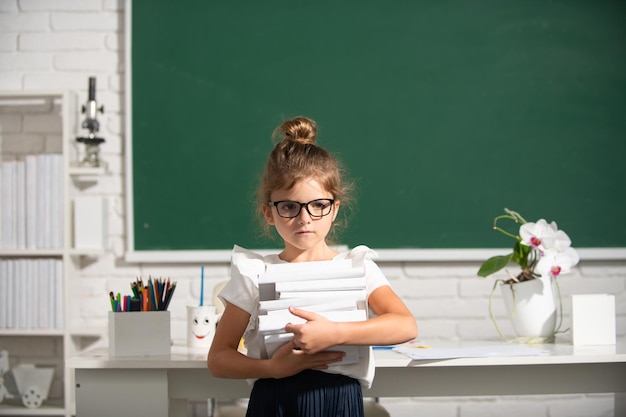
(242, 290)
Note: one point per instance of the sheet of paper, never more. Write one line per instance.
(470, 352)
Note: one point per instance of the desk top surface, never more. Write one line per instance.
(558, 353)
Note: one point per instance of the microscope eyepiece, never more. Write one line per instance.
(92, 88)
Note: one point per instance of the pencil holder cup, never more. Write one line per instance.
(201, 324)
(139, 333)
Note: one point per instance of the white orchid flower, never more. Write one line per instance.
(559, 241)
(557, 263)
(534, 234)
(547, 250)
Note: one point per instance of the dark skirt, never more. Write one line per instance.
(307, 394)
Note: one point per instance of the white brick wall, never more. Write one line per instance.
(55, 45)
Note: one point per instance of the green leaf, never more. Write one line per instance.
(520, 254)
(494, 264)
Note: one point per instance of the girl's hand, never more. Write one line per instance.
(289, 360)
(316, 335)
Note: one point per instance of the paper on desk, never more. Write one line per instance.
(471, 352)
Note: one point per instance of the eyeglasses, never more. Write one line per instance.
(316, 208)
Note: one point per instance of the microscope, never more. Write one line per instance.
(91, 141)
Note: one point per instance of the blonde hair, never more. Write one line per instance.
(297, 157)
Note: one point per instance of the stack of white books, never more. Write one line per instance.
(31, 202)
(31, 293)
(333, 289)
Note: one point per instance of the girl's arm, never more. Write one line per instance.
(394, 324)
(225, 361)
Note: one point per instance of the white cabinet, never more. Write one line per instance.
(38, 259)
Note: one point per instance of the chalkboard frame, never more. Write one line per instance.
(400, 253)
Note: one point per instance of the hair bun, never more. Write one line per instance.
(299, 129)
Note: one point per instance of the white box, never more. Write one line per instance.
(90, 222)
(139, 333)
(593, 319)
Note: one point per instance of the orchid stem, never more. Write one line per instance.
(558, 327)
(493, 317)
(501, 230)
(516, 216)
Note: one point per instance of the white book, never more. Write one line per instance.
(31, 201)
(41, 294)
(2, 205)
(352, 272)
(321, 285)
(36, 293)
(302, 271)
(317, 304)
(352, 294)
(47, 196)
(3, 294)
(291, 267)
(12, 226)
(56, 232)
(45, 289)
(17, 290)
(275, 323)
(20, 205)
(58, 301)
(279, 304)
(10, 294)
(40, 201)
(29, 292)
(322, 308)
(274, 341)
(27, 295)
(20, 294)
(49, 298)
(2, 208)
(8, 205)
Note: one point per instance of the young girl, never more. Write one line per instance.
(300, 195)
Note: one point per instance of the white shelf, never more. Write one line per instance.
(69, 340)
(30, 253)
(87, 172)
(31, 332)
(14, 407)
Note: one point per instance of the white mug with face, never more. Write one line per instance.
(201, 324)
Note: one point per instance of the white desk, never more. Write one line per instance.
(151, 386)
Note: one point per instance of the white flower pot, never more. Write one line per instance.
(532, 307)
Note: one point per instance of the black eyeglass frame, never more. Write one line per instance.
(305, 205)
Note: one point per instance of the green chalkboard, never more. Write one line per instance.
(444, 112)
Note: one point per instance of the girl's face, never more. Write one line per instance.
(303, 233)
